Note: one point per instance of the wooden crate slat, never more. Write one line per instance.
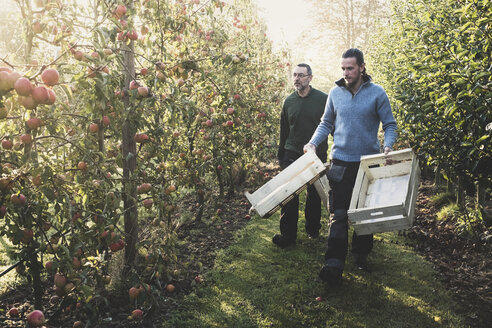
(284, 191)
(363, 195)
(356, 192)
(306, 160)
(285, 185)
(398, 222)
(323, 188)
(388, 171)
(378, 159)
(361, 214)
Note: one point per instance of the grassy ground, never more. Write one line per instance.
(256, 284)
(9, 280)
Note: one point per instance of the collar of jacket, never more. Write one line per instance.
(365, 78)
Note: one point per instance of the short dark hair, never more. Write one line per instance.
(309, 70)
(354, 52)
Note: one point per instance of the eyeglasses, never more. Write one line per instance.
(300, 75)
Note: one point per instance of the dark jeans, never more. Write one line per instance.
(336, 252)
(289, 214)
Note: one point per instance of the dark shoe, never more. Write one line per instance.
(282, 242)
(361, 262)
(331, 275)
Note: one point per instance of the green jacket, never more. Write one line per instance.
(299, 119)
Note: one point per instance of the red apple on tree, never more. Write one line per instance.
(106, 121)
(13, 312)
(78, 55)
(60, 280)
(7, 144)
(93, 127)
(137, 314)
(34, 123)
(147, 203)
(133, 85)
(26, 138)
(23, 87)
(132, 35)
(143, 91)
(50, 76)
(3, 210)
(35, 318)
(40, 95)
(27, 235)
(120, 11)
(141, 137)
(52, 97)
(82, 166)
(78, 324)
(18, 199)
(76, 264)
(49, 266)
(143, 188)
(133, 293)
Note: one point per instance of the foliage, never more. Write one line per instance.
(435, 63)
(199, 98)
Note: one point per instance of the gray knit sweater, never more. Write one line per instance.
(354, 120)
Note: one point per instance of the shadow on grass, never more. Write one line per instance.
(256, 284)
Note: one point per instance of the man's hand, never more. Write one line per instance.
(387, 150)
(309, 147)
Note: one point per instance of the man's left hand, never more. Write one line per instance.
(387, 150)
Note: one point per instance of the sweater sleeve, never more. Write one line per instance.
(387, 119)
(284, 133)
(325, 127)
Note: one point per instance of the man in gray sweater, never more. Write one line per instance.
(353, 113)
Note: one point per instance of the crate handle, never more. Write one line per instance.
(377, 213)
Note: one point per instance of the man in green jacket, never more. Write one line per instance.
(301, 114)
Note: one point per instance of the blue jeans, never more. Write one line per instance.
(289, 214)
(336, 251)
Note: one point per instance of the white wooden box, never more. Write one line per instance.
(290, 182)
(384, 196)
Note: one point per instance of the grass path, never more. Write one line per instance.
(256, 284)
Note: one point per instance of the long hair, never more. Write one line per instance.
(359, 57)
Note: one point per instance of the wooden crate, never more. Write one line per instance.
(286, 185)
(384, 196)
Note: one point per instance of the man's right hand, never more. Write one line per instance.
(309, 147)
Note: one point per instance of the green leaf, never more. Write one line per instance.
(482, 138)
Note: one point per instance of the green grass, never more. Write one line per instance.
(256, 284)
(11, 279)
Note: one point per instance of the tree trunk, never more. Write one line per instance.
(129, 150)
(460, 194)
(35, 271)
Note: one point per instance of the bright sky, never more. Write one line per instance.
(286, 19)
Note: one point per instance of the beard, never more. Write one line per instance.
(300, 86)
